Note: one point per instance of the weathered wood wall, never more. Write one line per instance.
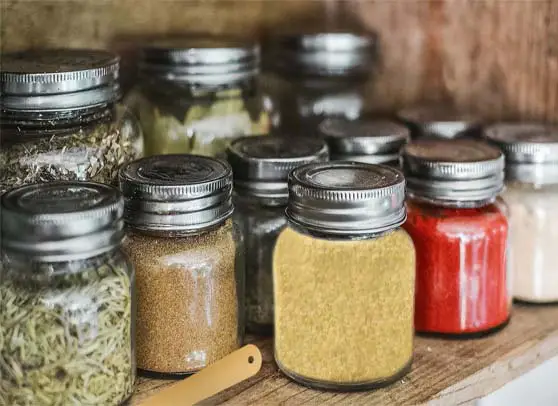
(499, 57)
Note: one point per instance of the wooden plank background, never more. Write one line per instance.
(498, 57)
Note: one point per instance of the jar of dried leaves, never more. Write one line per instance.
(66, 297)
(188, 257)
(261, 166)
(78, 133)
(344, 278)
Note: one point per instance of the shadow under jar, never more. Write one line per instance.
(460, 231)
(188, 258)
(314, 76)
(531, 194)
(195, 95)
(344, 278)
(261, 166)
(364, 140)
(61, 119)
(67, 309)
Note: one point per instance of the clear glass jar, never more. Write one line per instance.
(261, 166)
(189, 260)
(198, 107)
(79, 134)
(314, 76)
(531, 194)
(344, 278)
(67, 309)
(366, 140)
(460, 232)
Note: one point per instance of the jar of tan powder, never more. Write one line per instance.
(344, 278)
(531, 151)
(188, 258)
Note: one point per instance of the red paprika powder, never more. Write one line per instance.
(460, 235)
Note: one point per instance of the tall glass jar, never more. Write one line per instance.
(364, 140)
(437, 120)
(60, 119)
(344, 278)
(189, 261)
(314, 76)
(261, 166)
(195, 95)
(67, 305)
(531, 151)
(460, 232)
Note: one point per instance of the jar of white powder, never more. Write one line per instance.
(531, 151)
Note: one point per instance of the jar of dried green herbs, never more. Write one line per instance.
(66, 297)
(261, 166)
(188, 257)
(197, 94)
(344, 278)
(367, 140)
(60, 119)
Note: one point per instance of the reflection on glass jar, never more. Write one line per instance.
(532, 197)
(198, 105)
(460, 233)
(78, 134)
(344, 278)
(261, 166)
(67, 309)
(188, 257)
(314, 76)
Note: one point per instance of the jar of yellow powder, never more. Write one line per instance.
(344, 278)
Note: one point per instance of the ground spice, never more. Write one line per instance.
(462, 283)
(187, 315)
(344, 309)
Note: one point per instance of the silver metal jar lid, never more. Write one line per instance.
(439, 121)
(323, 54)
(262, 164)
(61, 221)
(453, 170)
(58, 79)
(363, 137)
(201, 60)
(186, 193)
(346, 198)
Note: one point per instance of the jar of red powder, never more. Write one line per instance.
(460, 231)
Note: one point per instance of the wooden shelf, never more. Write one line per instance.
(444, 371)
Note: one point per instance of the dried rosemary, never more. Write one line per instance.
(65, 333)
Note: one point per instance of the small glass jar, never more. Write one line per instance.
(261, 166)
(460, 232)
(364, 140)
(314, 76)
(188, 257)
(60, 118)
(531, 194)
(67, 304)
(344, 278)
(195, 95)
(440, 121)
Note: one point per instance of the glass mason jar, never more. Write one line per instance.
(60, 118)
(314, 76)
(197, 94)
(531, 194)
(460, 232)
(344, 278)
(364, 140)
(261, 166)
(67, 305)
(188, 257)
(440, 121)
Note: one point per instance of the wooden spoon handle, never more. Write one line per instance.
(234, 368)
